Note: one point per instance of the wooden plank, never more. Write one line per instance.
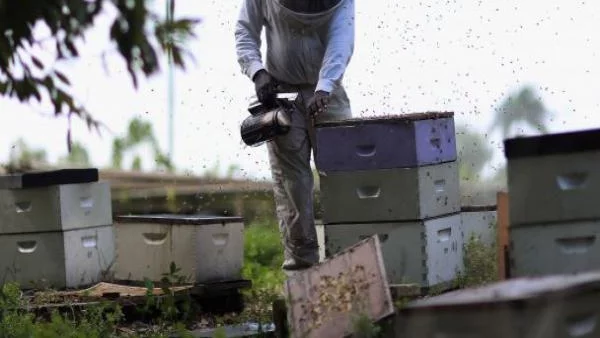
(502, 234)
(324, 301)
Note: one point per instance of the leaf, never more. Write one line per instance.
(62, 77)
(71, 48)
(37, 62)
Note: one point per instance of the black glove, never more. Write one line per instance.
(318, 103)
(265, 87)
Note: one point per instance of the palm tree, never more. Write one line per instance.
(474, 152)
(524, 107)
(139, 132)
(78, 156)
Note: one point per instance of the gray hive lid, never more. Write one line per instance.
(172, 219)
(387, 119)
(37, 179)
(513, 290)
(552, 144)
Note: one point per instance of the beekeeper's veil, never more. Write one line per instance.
(309, 11)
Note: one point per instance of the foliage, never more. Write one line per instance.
(363, 327)
(96, 321)
(263, 256)
(77, 157)
(523, 107)
(139, 132)
(473, 152)
(480, 266)
(137, 32)
(23, 158)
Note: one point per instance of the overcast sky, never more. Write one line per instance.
(410, 56)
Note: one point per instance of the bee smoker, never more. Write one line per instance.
(267, 121)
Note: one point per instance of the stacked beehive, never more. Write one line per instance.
(559, 306)
(55, 228)
(554, 185)
(396, 177)
(205, 248)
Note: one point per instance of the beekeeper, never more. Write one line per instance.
(309, 44)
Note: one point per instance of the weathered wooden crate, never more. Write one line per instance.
(386, 142)
(326, 299)
(554, 178)
(554, 248)
(206, 248)
(390, 194)
(427, 252)
(59, 259)
(560, 306)
(55, 208)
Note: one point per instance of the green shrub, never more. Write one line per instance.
(263, 256)
(480, 266)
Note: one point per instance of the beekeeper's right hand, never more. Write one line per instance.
(265, 87)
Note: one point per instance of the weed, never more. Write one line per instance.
(220, 333)
(479, 262)
(363, 327)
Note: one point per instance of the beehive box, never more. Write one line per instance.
(70, 259)
(426, 252)
(206, 248)
(55, 208)
(561, 306)
(554, 248)
(386, 142)
(553, 178)
(480, 222)
(390, 194)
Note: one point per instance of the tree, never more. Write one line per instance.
(23, 158)
(139, 132)
(524, 107)
(137, 32)
(473, 152)
(78, 156)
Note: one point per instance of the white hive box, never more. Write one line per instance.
(480, 222)
(427, 252)
(206, 248)
(55, 228)
(562, 306)
(55, 208)
(554, 177)
(59, 259)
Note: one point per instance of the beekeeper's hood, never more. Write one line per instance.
(309, 12)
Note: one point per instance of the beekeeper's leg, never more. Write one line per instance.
(289, 157)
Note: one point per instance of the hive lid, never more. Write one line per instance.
(173, 219)
(518, 289)
(387, 119)
(37, 179)
(552, 144)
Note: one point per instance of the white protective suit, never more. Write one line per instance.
(307, 52)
